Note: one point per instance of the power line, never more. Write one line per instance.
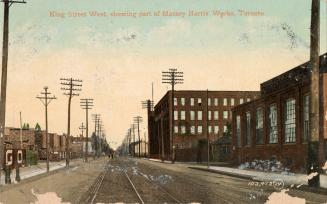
(96, 119)
(86, 104)
(138, 120)
(172, 77)
(70, 87)
(5, 51)
(46, 99)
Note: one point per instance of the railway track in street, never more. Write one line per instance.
(130, 187)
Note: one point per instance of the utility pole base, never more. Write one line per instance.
(313, 164)
(17, 175)
(7, 175)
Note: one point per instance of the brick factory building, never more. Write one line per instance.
(190, 121)
(276, 125)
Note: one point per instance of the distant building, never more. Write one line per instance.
(276, 125)
(191, 121)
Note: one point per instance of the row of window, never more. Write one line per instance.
(272, 123)
(211, 115)
(211, 101)
(197, 129)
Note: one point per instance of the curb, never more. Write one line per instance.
(223, 172)
(304, 188)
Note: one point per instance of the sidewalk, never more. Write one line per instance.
(40, 168)
(288, 179)
(191, 163)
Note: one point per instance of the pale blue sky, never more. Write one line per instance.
(119, 57)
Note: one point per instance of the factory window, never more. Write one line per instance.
(199, 129)
(192, 101)
(215, 115)
(259, 126)
(216, 101)
(175, 129)
(175, 101)
(248, 100)
(216, 129)
(238, 130)
(209, 101)
(192, 129)
(209, 115)
(272, 122)
(306, 113)
(232, 101)
(241, 100)
(183, 101)
(182, 115)
(199, 115)
(183, 130)
(225, 114)
(199, 101)
(192, 115)
(290, 121)
(225, 128)
(175, 115)
(225, 101)
(248, 129)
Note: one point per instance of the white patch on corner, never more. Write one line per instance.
(283, 197)
(50, 197)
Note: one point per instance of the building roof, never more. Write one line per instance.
(299, 74)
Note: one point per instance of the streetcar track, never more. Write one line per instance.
(159, 187)
(137, 193)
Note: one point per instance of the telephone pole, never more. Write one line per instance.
(207, 129)
(314, 139)
(82, 128)
(86, 104)
(96, 120)
(148, 104)
(138, 120)
(133, 128)
(5, 51)
(129, 140)
(46, 99)
(70, 88)
(172, 77)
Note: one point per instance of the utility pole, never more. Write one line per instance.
(82, 128)
(207, 129)
(86, 104)
(70, 88)
(5, 51)
(129, 140)
(21, 130)
(148, 104)
(96, 120)
(172, 77)
(138, 120)
(313, 145)
(100, 137)
(133, 127)
(46, 99)
(145, 149)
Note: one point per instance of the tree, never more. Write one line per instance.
(37, 127)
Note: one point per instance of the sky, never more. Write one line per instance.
(118, 57)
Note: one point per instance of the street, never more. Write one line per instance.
(142, 181)
(134, 180)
